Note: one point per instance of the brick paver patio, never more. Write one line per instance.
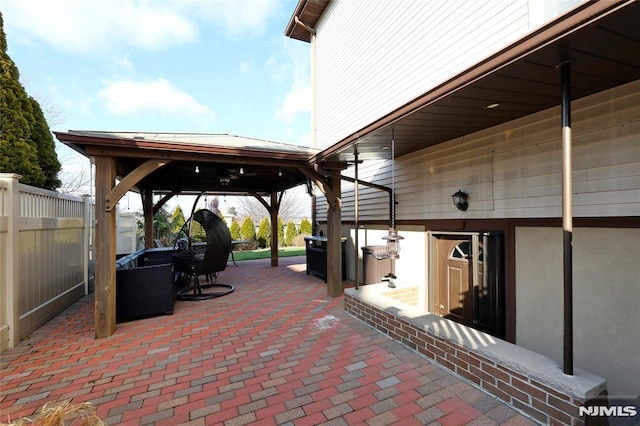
(276, 351)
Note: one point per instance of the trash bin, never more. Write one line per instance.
(376, 264)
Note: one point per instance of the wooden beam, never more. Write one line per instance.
(293, 161)
(273, 208)
(323, 184)
(147, 211)
(157, 206)
(105, 244)
(130, 180)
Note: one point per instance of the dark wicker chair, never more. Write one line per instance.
(192, 260)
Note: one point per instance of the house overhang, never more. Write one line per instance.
(600, 39)
(308, 12)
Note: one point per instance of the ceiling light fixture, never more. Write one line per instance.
(393, 239)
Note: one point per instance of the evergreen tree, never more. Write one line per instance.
(264, 233)
(234, 230)
(198, 233)
(162, 226)
(291, 233)
(280, 232)
(305, 227)
(248, 230)
(47, 157)
(26, 144)
(177, 220)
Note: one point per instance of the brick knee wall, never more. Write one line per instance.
(543, 403)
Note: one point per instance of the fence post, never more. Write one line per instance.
(87, 240)
(12, 273)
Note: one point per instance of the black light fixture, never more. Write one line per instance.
(392, 238)
(460, 200)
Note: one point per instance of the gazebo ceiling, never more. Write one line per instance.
(199, 162)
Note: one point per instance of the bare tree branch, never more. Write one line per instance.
(294, 205)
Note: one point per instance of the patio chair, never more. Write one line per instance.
(192, 260)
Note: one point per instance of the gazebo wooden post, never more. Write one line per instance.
(105, 245)
(334, 237)
(275, 208)
(147, 209)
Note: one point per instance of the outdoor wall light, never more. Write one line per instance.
(197, 169)
(460, 200)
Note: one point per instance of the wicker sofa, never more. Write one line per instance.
(144, 290)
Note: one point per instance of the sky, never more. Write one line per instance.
(208, 66)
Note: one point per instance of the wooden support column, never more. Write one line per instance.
(105, 245)
(334, 236)
(275, 208)
(147, 210)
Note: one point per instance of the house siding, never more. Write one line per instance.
(401, 52)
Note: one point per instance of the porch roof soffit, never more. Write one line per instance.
(600, 39)
(308, 12)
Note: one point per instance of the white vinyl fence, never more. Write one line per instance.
(44, 255)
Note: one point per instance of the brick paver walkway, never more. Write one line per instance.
(276, 351)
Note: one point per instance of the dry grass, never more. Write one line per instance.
(62, 414)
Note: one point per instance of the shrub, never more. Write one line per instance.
(291, 233)
(235, 231)
(299, 241)
(248, 230)
(264, 233)
(281, 241)
(305, 227)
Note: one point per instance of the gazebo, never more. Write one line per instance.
(168, 164)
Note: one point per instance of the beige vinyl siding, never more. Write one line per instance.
(514, 170)
(374, 57)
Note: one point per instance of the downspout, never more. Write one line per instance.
(386, 189)
(314, 130)
(355, 216)
(567, 218)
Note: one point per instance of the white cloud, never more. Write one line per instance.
(157, 96)
(246, 67)
(92, 25)
(82, 26)
(298, 100)
(237, 18)
(292, 68)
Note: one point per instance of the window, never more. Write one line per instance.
(463, 250)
